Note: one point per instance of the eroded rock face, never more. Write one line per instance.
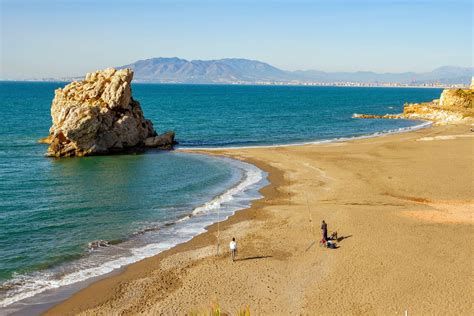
(97, 116)
(457, 99)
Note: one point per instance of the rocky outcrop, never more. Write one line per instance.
(98, 115)
(454, 106)
(165, 141)
(457, 100)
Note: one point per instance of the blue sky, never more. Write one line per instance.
(61, 38)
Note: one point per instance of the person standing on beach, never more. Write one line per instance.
(233, 249)
(324, 228)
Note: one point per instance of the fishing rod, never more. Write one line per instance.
(311, 225)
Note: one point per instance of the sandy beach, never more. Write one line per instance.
(402, 206)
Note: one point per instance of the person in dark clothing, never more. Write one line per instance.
(324, 228)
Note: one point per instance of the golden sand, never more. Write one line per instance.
(403, 212)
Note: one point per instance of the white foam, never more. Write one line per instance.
(252, 176)
(26, 286)
(46, 281)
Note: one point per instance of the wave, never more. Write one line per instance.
(145, 243)
(251, 177)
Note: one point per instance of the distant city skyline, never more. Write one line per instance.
(53, 38)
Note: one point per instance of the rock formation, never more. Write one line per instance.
(99, 116)
(454, 106)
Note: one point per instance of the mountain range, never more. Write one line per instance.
(237, 70)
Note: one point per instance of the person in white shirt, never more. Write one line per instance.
(233, 249)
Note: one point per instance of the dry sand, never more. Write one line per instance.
(402, 208)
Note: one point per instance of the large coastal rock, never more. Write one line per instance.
(99, 116)
(454, 106)
(456, 99)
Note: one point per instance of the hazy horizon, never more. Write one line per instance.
(252, 59)
(52, 38)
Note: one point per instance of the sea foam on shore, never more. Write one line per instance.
(144, 244)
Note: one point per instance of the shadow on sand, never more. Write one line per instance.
(253, 258)
(339, 239)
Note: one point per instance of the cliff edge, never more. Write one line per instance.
(99, 116)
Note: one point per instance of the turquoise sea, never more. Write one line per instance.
(51, 209)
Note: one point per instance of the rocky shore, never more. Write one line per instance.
(454, 106)
(98, 116)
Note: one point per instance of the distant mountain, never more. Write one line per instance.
(442, 75)
(205, 71)
(234, 70)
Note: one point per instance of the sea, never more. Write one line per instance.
(51, 210)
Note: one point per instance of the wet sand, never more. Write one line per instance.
(402, 206)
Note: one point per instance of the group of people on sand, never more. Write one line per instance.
(328, 241)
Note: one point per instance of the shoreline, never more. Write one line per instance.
(69, 287)
(235, 197)
(206, 150)
(193, 244)
(279, 191)
(81, 284)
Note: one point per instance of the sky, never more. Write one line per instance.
(52, 38)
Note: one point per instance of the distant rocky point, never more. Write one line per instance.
(454, 106)
(98, 116)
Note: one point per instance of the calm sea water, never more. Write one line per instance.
(51, 209)
(215, 116)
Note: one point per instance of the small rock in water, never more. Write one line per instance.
(165, 141)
